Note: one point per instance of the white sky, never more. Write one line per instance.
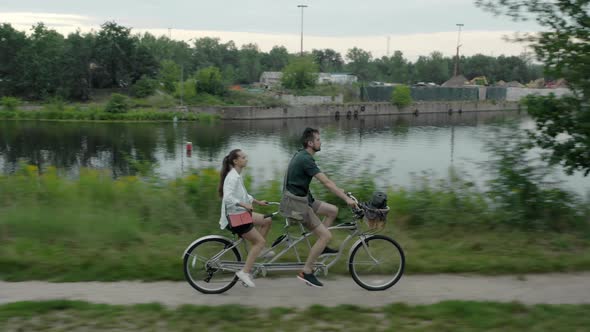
(416, 27)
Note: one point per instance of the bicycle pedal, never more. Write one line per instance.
(244, 284)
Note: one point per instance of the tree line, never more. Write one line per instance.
(44, 63)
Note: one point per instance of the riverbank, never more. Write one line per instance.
(209, 113)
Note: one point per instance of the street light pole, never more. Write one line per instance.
(301, 6)
(456, 71)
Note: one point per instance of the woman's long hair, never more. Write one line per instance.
(226, 166)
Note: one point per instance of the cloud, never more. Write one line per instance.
(28, 19)
(412, 45)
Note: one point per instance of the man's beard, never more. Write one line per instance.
(317, 149)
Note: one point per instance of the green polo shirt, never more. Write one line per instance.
(302, 169)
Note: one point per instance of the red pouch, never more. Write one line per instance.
(243, 218)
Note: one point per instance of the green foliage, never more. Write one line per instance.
(55, 104)
(360, 63)
(564, 49)
(118, 104)
(433, 68)
(300, 74)
(169, 75)
(10, 103)
(144, 87)
(556, 116)
(401, 96)
(328, 60)
(519, 189)
(95, 114)
(442, 316)
(276, 59)
(209, 80)
(46, 63)
(149, 222)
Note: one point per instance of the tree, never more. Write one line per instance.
(300, 74)
(209, 81)
(40, 63)
(328, 60)
(169, 75)
(276, 59)
(250, 68)
(563, 124)
(360, 63)
(393, 69)
(114, 50)
(77, 58)
(11, 44)
(432, 68)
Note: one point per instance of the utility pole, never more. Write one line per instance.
(456, 71)
(301, 6)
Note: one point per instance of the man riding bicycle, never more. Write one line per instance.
(298, 203)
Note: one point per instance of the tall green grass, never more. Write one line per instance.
(94, 227)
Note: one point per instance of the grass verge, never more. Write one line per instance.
(444, 316)
(99, 115)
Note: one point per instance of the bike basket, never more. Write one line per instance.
(375, 218)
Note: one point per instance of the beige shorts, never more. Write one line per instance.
(297, 210)
(311, 219)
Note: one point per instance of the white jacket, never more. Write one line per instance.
(234, 192)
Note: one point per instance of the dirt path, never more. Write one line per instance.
(573, 288)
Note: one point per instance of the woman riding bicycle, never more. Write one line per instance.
(237, 205)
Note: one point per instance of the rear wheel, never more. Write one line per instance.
(376, 263)
(203, 265)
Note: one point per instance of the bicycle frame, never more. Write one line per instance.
(261, 268)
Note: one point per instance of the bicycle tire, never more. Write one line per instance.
(196, 275)
(384, 247)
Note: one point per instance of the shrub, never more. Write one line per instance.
(10, 103)
(117, 104)
(144, 87)
(401, 96)
(300, 74)
(209, 81)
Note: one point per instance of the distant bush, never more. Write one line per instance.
(401, 96)
(117, 104)
(10, 103)
(144, 87)
(55, 104)
(209, 81)
(300, 74)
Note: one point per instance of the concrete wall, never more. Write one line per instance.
(311, 100)
(515, 94)
(344, 110)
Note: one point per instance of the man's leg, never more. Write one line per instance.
(324, 236)
(327, 210)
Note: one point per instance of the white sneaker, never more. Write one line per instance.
(245, 278)
(267, 254)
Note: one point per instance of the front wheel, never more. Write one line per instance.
(376, 262)
(206, 265)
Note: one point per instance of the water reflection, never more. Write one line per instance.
(401, 144)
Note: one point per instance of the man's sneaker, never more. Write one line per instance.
(245, 278)
(266, 253)
(328, 251)
(309, 279)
